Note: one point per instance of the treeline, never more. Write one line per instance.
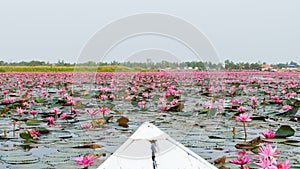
(160, 65)
(172, 65)
(35, 63)
(143, 65)
(248, 66)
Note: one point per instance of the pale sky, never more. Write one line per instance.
(240, 30)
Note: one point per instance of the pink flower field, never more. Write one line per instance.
(76, 120)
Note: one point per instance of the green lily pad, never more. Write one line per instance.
(297, 103)
(200, 145)
(14, 153)
(27, 137)
(275, 140)
(39, 100)
(43, 130)
(285, 131)
(292, 143)
(33, 122)
(134, 103)
(30, 166)
(68, 166)
(48, 140)
(212, 111)
(62, 155)
(20, 159)
(170, 98)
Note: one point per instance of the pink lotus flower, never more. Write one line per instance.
(242, 87)
(208, 105)
(73, 110)
(268, 159)
(142, 104)
(71, 102)
(66, 96)
(103, 109)
(63, 116)
(103, 97)
(34, 133)
(60, 91)
(33, 102)
(25, 104)
(133, 89)
(174, 101)
(86, 126)
(291, 94)
(33, 112)
(219, 107)
(267, 152)
(128, 98)
(284, 165)
(50, 120)
(221, 101)
(112, 96)
(163, 108)
(235, 101)
(85, 160)
(241, 160)
(44, 93)
(210, 88)
(29, 93)
(269, 134)
(8, 101)
(241, 109)
(232, 88)
(287, 107)
(274, 97)
(5, 92)
(269, 92)
(243, 117)
(145, 94)
(167, 95)
(19, 110)
(254, 99)
(55, 110)
(91, 112)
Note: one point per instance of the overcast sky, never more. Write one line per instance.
(240, 30)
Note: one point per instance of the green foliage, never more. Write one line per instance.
(26, 135)
(285, 131)
(71, 69)
(134, 103)
(90, 66)
(39, 100)
(170, 98)
(42, 130)
(33, 122)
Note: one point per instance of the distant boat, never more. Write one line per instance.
(151, 148)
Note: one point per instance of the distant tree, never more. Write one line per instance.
(294, 63)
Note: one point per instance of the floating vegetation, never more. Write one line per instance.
(49, 119)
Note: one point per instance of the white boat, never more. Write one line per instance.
(151, 148)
